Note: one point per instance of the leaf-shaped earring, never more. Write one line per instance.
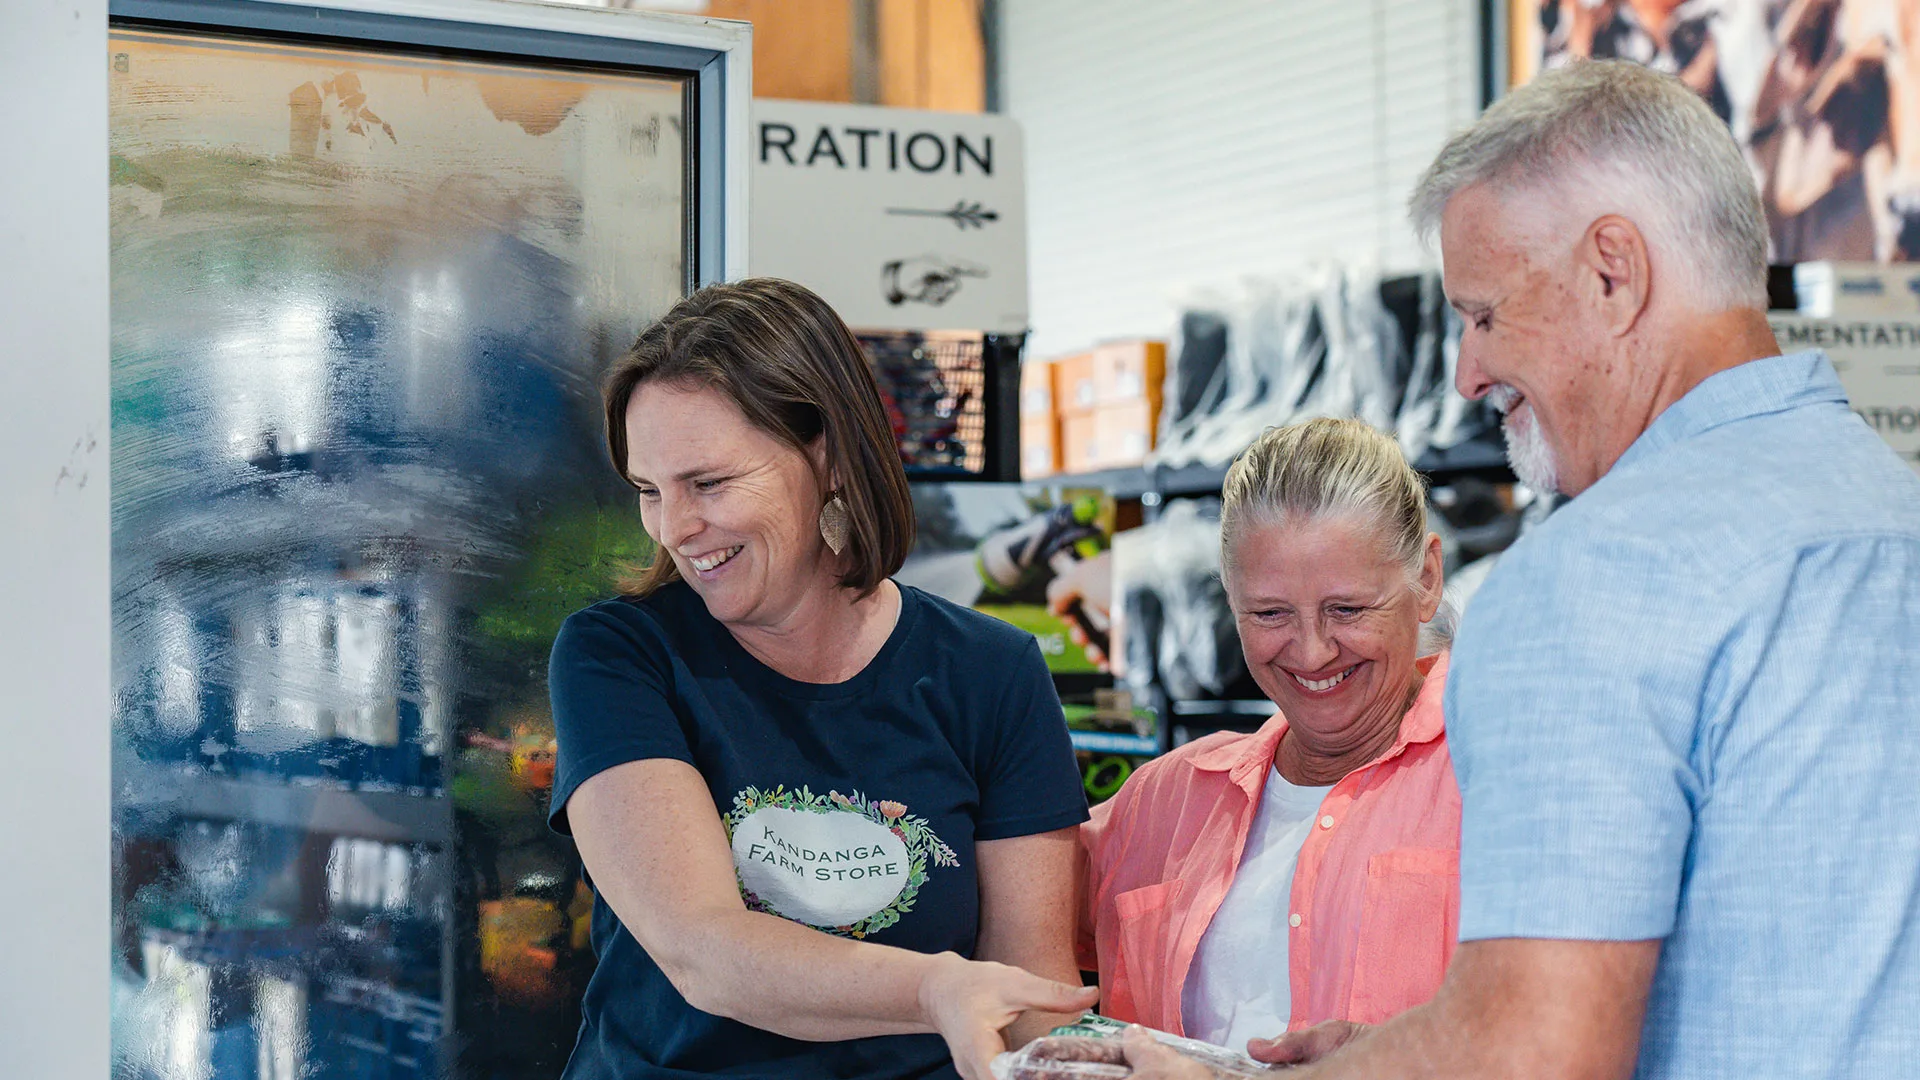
(835, 523)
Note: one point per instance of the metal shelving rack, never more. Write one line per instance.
(1152, 485)
(390, 816)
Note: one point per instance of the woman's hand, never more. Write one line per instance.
(1305, 1046)
(969, 1002)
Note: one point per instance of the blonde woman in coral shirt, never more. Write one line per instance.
(1248, 885)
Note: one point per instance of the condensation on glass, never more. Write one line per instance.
(361, 302)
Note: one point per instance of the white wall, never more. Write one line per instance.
(1172, 145)
(54, 940)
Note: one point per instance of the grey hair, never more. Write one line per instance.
(1639, 141)
(1326, 468)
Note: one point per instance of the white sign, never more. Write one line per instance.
(1879, 365)
(1844, 290)
(824, 869)
(901, 219)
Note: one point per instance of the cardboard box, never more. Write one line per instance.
(1126, 371)
(1039, 446)
(1036, 391)
(1079, 443)
(1074, 389)
(1109, 437)
(1124, 432)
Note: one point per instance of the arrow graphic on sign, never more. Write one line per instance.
(963, 214)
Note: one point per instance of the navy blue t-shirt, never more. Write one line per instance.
(851, 807)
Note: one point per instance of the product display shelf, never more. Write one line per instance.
(1115, 742)
(1257, 708)
(390, 816)
(1191, 720)
(1156, 482)
(1142, 481)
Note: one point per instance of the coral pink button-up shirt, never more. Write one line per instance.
(1375, 910)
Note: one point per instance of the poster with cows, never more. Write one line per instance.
(1823, 95)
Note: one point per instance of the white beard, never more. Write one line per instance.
(1527, 449)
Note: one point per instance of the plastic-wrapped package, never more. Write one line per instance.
(1063, 1057)
(1428, 384)
(1244, 385)
(1296, 349)
(1335, 342)
(1100, 1057)
(1197, 376)
(1178, 629)
(1324, 344)
(1199, 646)
(1350, 382)
(1140, 611)
(1379, 350)
(1277, 359)
(1138, 619)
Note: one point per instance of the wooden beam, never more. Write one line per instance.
(801, 48)
(932, 55)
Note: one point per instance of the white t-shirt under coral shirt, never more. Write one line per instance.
(1238, 988)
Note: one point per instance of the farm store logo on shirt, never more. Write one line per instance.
(844, 864)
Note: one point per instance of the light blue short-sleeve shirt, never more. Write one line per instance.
(1688, 707)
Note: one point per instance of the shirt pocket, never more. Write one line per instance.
(1409, 923)
(1144, 921)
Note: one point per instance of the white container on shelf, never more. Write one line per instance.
(1841, 290)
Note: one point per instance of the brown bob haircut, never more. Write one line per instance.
(785, 358)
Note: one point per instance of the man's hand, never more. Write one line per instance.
(1510, 1009)
(1306, 1046)
(1152, 1061)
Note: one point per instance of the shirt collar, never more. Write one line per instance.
(1245, 761)
(1755, 388)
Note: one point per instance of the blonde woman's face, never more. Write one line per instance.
(1329, 623)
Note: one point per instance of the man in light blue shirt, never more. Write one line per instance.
(1685, 712)
(1688, 708)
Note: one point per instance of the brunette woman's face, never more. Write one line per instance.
(736, 509)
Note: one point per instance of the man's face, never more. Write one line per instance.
(1531, 340)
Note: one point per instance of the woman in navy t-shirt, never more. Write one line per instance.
(829, 819)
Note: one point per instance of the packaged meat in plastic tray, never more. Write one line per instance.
(1090, 1050)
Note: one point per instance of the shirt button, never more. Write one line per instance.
(1327, 822)
(1293, 920)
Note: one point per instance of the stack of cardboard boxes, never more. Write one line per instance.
(1039, 421)
(1093, 410)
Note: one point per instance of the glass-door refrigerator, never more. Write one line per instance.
(369, 259)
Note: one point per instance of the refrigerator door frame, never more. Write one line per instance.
(56, 639)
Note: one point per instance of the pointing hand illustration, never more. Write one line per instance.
(928, 279)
